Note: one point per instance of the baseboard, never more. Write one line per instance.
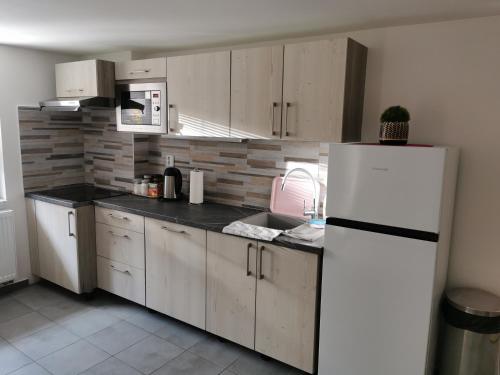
(7, 288)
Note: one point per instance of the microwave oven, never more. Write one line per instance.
(142, 107)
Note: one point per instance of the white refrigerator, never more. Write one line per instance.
(389, 214)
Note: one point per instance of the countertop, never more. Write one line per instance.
(209, 216)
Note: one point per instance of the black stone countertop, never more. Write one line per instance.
(73, 196)
(209, 216)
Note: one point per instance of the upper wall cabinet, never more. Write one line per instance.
(141, 69)
(323, 90)
(256, 92)
(199, 94)
(85, 78)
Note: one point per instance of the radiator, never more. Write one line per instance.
(7, 247)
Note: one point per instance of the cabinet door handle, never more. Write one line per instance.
(261, 274)
(170, 127)
(118, 235)
(273, 124)
(126, 272)
(139, 71)
(287, 106)
(175, 231)
(249, 246)
(117, 217)
(70, 233)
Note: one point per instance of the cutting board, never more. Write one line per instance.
(291, 201)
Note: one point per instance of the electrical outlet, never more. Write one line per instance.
(170, 160)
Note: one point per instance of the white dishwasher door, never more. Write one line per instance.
(375, 304)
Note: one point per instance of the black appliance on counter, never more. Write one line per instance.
(172, 184)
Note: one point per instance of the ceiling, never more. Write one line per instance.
(94, 26)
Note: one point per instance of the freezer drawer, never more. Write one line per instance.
(395, 186)
(376, 303)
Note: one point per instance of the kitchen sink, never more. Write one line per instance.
(273, 221)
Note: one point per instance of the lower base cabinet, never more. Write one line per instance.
(263, 297)
(121, 279)
(176, 258)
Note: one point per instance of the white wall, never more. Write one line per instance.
(26, 76)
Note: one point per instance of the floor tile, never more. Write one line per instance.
(189, 364)
(11, 308)
(39, 295)
(73, 359)
(217, 351)
(227, 372)
(180, 334)
(89, 322)
(64, 310)
(24, 326)
(117, 337)
(150, 354)
(111, 366)
(251, 363)
(33, 369)
(11, 359)
(116, 306)
(147, 320)
(45, 342)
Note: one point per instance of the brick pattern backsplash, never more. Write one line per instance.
(60, 148)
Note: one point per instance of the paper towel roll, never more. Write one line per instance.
(196, 187)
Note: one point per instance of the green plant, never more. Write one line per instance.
(395, 114)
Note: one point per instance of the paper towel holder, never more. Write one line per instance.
(196, 186)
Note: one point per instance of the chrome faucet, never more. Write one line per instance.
(313, 212)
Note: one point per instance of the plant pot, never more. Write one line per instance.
(394, 133)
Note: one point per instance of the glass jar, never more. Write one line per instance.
(137, 186)
(153, 190)
(145, 187)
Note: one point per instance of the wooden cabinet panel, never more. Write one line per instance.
(231, 284)
(121, 279)
(176, 271)
(141, 69)
(313, 90)
(57, 245)
(256, 92)
(32, 236)
(286, 305)
(85, 78)
(120, 245)
(120, 219)
(199, 94)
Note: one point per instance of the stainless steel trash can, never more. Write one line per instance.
(470, 342)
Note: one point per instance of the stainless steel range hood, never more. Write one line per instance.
(77, 104)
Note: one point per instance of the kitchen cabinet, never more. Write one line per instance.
(256, 92)
(176, 270)
(199, 94)
(323, 90)
(231, 286)
(141, 69)
(66, 246)
(285, 322)
(85, 78)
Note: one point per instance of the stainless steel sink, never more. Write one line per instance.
(273, 221)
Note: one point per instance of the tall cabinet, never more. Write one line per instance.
(198, 94)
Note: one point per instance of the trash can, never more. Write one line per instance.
(470, 342)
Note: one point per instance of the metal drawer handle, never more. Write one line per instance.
(170, 127)
(175, 231)
(126, 272)
(70, 233)
(118, 235)
(118, 217)
(274, 132)
(261, 274)
(249, 246)
(140, 71)
(288, 105)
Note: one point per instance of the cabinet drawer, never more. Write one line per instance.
(148, 68)
(121, 279)
(121, 245)
(119, 219)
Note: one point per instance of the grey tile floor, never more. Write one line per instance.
(46, 330)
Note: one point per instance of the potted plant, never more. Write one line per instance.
(394, 126)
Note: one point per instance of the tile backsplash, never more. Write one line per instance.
(60, 148)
